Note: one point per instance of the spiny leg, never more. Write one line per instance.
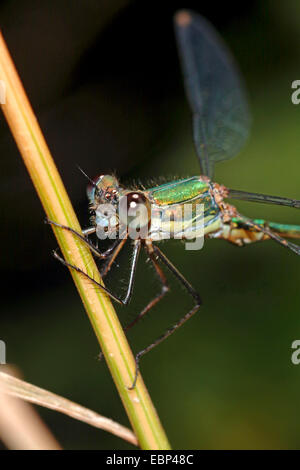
(180, 322)
(158, 297)
(134, 261)
(136, 251)
(119, 247)
(107, 268)
(84, 238)
(153, 302)
(291, 246)
(113, 250)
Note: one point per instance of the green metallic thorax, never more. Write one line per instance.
(169, 202)
(179, 191)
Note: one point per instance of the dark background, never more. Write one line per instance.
(104, 80)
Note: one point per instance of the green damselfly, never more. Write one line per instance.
(220, 128)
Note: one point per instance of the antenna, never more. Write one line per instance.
(84, 174)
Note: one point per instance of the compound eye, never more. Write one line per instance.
(92, 188)
(90, 191)
(135, 202)
(137, 212)
(133, 199)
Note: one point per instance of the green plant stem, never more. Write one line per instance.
(51, 191)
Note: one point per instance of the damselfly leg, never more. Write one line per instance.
(90, 230)
(160, 255)
(117, 248)
(104, 255)
(153, 302)
(158, 297)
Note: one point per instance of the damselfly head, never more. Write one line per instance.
(103, 193)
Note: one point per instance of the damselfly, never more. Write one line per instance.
(220, 128)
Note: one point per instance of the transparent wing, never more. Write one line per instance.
(214, 90)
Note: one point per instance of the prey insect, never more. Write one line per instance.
(220, 128)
